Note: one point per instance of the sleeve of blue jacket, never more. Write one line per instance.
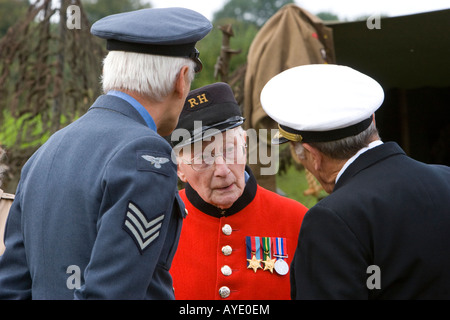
(330, 262)
(138, 227)
(15, 281)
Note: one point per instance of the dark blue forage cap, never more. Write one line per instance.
(159, 31)
(217, 109)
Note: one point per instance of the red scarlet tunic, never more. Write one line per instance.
(203, 267)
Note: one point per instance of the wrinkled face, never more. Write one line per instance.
(216, 168)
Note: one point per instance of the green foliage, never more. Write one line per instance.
(252, 11)
(97, 9)
(327, 16)
(31, 127)
(210, 47)
(11, 11)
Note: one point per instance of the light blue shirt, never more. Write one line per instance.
(139, 107)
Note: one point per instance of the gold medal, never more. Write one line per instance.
(253, 250)
(269, 264)
(254, 263)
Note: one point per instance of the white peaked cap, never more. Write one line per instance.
(321, 102)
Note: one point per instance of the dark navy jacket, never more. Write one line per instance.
(387, 211)
(97, 213)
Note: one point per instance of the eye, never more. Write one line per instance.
(208, 158)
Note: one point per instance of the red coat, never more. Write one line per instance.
(203, 267)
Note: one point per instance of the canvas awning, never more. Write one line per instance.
(409, 56)
(406, 52)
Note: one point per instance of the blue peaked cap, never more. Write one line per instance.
(159, 31)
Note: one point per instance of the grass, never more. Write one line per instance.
(293, 183)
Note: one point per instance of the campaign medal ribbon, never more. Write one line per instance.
(253, 253)
(280, 252)
(269, 263)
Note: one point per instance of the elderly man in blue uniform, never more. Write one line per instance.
(97, 213)
(383, 232)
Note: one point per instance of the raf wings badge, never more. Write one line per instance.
(155, 161)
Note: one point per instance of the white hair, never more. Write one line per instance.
(152, 76)
(299, 150)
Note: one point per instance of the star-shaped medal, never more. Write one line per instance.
(269, 264)
(254, 263)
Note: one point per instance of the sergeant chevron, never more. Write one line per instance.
(142, 231)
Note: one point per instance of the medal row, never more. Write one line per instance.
(270, 251)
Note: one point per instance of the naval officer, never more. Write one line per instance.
(382, 233)
(97, 213)
(238, 238)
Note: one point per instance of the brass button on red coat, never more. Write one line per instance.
(227, 250)
(224, 292)
(226, 229)
(226, 270)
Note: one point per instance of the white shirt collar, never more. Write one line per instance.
(371, 145)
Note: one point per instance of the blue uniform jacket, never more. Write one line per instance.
(97, 213)
(383, 233)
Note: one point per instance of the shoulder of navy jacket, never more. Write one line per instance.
(244, 200)
(368, 158)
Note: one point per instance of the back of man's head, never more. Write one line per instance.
(151, 76)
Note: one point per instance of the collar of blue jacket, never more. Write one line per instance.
(139, 107)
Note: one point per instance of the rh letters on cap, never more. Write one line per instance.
(198, 100)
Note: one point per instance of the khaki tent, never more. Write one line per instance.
(292, 37)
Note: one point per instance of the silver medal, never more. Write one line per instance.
(281, 267)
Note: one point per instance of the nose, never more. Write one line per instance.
(220, 166)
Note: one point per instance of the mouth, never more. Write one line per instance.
(225, 188)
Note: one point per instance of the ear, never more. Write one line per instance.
(316, 156)
(181, 83)
(294, 154)
(181, 174)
